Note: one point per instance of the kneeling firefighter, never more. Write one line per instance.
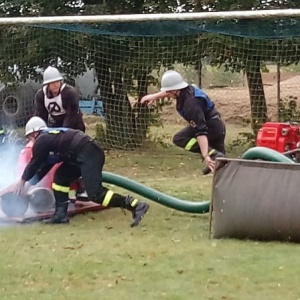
(80, 156)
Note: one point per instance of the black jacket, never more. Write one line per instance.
(52, 146)
(196, 108)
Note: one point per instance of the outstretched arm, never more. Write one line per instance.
(39, 156)
(149, 99)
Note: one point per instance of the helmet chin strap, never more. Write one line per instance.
(35, 134)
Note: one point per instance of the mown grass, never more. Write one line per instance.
(169, 256)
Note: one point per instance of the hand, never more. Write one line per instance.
(209, 163)
(10, 188)
(148, 99)
(27, 186)
(19, 187)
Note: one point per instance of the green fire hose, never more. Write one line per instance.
(182, 205)
(156, 196)
(266, 154)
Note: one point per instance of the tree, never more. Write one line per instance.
(17, 8)
(248, 62)
(120, 75)
(126, 125)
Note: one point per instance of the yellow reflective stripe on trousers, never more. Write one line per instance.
(134, 203)
(107, 198)
(190, 144)
(60, 188)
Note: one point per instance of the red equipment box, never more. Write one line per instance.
(281, 137)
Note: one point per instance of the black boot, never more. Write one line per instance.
(213, 154)
(137, 208)
(60, 216)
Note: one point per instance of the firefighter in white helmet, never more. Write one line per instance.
(32, 129)
(57, 103)
(35, 125)
(206, 131)
(79, 156)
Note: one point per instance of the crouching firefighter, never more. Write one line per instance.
(80, 156)
(206, 130)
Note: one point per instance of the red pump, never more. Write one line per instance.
(281, 137)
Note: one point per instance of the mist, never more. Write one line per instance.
(10, 170)
(9, 156)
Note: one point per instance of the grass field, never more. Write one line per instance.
(169, 256)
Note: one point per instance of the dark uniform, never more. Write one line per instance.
(80, 157)
(60, 111)
(197, 109)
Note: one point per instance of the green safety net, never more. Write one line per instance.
(250, 28)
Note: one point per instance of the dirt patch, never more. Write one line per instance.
(234, 102)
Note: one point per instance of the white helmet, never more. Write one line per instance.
(172, 81)
(35, 124)
(51, 74)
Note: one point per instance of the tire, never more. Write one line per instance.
(16, 105)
